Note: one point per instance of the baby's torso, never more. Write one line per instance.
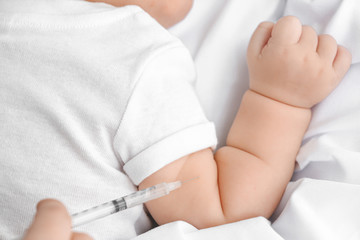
(62, 97)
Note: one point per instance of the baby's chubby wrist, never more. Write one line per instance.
(284, 104)
(262, 120)
(275, 111)
(274, 105)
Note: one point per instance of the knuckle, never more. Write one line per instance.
(286, 54)
(328, 38)
(288, 23)
(321, 72)
(308, 60)
(266, 25)
(346, 53)
(291, 19)
(309, 29)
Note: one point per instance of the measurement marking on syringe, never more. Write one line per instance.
(119, 205)
(128, 201)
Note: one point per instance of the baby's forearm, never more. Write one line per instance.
(246, 179)
(290, 69)
(268, 129)
(258, 161)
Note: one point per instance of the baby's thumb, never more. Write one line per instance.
(287, 30)
(260, 38)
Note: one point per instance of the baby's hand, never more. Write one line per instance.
(290, 63)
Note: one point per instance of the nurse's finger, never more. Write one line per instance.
(52, 221)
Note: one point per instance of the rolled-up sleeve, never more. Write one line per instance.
(163, 120)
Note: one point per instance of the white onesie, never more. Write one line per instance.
(93, 99)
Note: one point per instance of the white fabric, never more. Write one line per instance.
(322, 201)
(219, 52)
(91, 103)
(258, 228)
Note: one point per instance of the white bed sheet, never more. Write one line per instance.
(323, 199)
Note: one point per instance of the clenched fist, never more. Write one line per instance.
(290, 63)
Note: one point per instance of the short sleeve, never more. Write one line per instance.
(163, 120)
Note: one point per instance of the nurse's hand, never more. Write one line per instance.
(52, 221)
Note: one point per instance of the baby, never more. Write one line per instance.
(155, 128)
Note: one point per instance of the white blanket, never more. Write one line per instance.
(323, 200)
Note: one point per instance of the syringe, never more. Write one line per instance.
(123, 203)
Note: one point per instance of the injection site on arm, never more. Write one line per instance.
(234, 184)
(247, 177)
(123, 203)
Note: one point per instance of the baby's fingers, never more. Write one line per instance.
(260, 38)
(309, 38)
(327, 47)
(287, 31)
(342, 62)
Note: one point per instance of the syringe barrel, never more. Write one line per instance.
(98, 212)
(147, 194)
(123, 203)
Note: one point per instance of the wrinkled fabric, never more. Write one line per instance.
(322, 201)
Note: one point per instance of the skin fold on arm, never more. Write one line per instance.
(291, 69)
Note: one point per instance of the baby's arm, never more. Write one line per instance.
(291, 69)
